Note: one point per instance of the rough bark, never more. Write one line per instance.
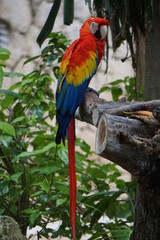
(133, 142)
(152, 59)
(140, 60)
(147, 209)
(93, 107)
(122, 140)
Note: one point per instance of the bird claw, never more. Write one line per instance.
(89, 89)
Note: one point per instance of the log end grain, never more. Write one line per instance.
(101, 135)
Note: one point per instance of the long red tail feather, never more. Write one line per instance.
(72, 175)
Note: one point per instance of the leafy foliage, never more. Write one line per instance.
(123, 87)
(68, 14)
(34, 184)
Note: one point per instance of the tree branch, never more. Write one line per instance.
(93, 107)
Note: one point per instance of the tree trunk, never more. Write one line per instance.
(147, 208)
(140, 60)
(152, 56)
(133, 142)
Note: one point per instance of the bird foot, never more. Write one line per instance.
(92, 90)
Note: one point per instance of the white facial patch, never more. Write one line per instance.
(93, 27)
(103, 31)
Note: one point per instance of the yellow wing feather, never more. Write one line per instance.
(80, 73)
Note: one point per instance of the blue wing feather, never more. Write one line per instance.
(60, 95)
(68, 98)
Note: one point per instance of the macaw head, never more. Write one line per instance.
(96, 26)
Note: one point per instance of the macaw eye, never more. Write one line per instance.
(93, 27)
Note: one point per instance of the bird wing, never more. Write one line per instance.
(77, 68)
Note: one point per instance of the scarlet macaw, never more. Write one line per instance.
(79, 64)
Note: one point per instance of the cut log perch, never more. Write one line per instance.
(125, 141)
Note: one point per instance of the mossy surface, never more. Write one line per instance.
(9, 229)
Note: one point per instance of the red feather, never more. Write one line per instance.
(72, 174)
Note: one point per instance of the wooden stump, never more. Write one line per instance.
(123, 141)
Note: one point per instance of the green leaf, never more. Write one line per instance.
(49, 169)
(3, 64)
(29, 211)
(63, 154)
(4, 50)
(4, 54)
(5, 140)
(50, 58)
(31, 59)
(4, 189)
(10, 93)
(99, 235)
(62, 187)
(27, 81)
(83, 145)
(44, 185)
(56, 71)
(83, 189)
(45, 170)
(13, 74)
(33, 217)
(103, 205)
(36, 194)
(116, 82)
(49, 146)
(121, 233)
(116, 93)
(47, 28)
(16, 176)
(97, 173)
(7, 128)
(18, 119)
(37, 109)
(2, 210)
(103, 89)
(60, 201)
(1, 76)
(68, 11)
(15, 86)
(37, 152)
